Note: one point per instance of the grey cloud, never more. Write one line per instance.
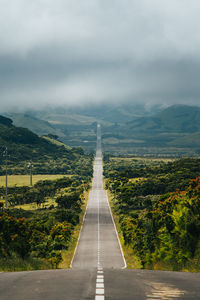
(93, 51)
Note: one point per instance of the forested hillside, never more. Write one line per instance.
(36, 125)
(47, 157)
(157, 205)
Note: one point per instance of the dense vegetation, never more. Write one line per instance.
(36, 239)
(158, 208)
(39, 236)
(47, 157)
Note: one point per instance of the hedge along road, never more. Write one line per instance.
(98, 268)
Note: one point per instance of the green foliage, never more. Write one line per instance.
(14, 234)
(43, 233)
(70, 200)
(55, 257)
(44, 189)
(16, 263)
(47, 157)
(159, 215)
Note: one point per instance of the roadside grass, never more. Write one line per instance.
(193, 265)
(24, 180)
(19, 264)
(70, 252)
(133, 180)
(132, 261)
(144, 159)
(33, 206)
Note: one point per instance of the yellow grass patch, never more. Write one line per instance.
(34, 206)
(133, 180)
(24, 180)
(56, 142)
(144, 159)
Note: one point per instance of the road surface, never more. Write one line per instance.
(98, 244)
(98, 268)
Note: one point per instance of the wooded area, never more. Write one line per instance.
(158, 209)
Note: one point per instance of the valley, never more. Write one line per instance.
(172, 131)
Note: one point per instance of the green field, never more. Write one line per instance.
(24, 180)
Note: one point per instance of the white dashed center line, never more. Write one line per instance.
(100, 292)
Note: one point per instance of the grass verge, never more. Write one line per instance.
(19, 264)
(24, 180)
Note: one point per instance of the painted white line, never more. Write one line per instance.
(99, 297)
(99, 291)
(100, 276)
(100, 285)
(98, 226)
(125, 264)
(100, 280)
(99, 272)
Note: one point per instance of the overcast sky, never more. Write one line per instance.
(93, 51)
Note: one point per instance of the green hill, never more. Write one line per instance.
(176, 118)
(174, 130)
(22, 143)
(34, 124)
(48, 156)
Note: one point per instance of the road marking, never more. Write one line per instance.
(99, 297)
(100, 291)
(99, 280)
(99, 285)
(98, 226)
(163, 292)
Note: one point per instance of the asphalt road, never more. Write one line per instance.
(98, 268)
(98, 244)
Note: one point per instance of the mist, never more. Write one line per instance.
(75, 53)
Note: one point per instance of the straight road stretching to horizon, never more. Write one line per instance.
(98, 244)
(98, 267)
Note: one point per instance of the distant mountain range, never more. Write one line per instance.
(176, 118)
(39, 126)
(125, 128)
(175, 129)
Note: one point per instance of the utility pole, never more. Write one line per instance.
(6, 183)
(31, 175)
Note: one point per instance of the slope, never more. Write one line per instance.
(48, 157)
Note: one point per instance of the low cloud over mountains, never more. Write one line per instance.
(72, 53)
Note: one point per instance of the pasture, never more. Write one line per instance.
(24, 180)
